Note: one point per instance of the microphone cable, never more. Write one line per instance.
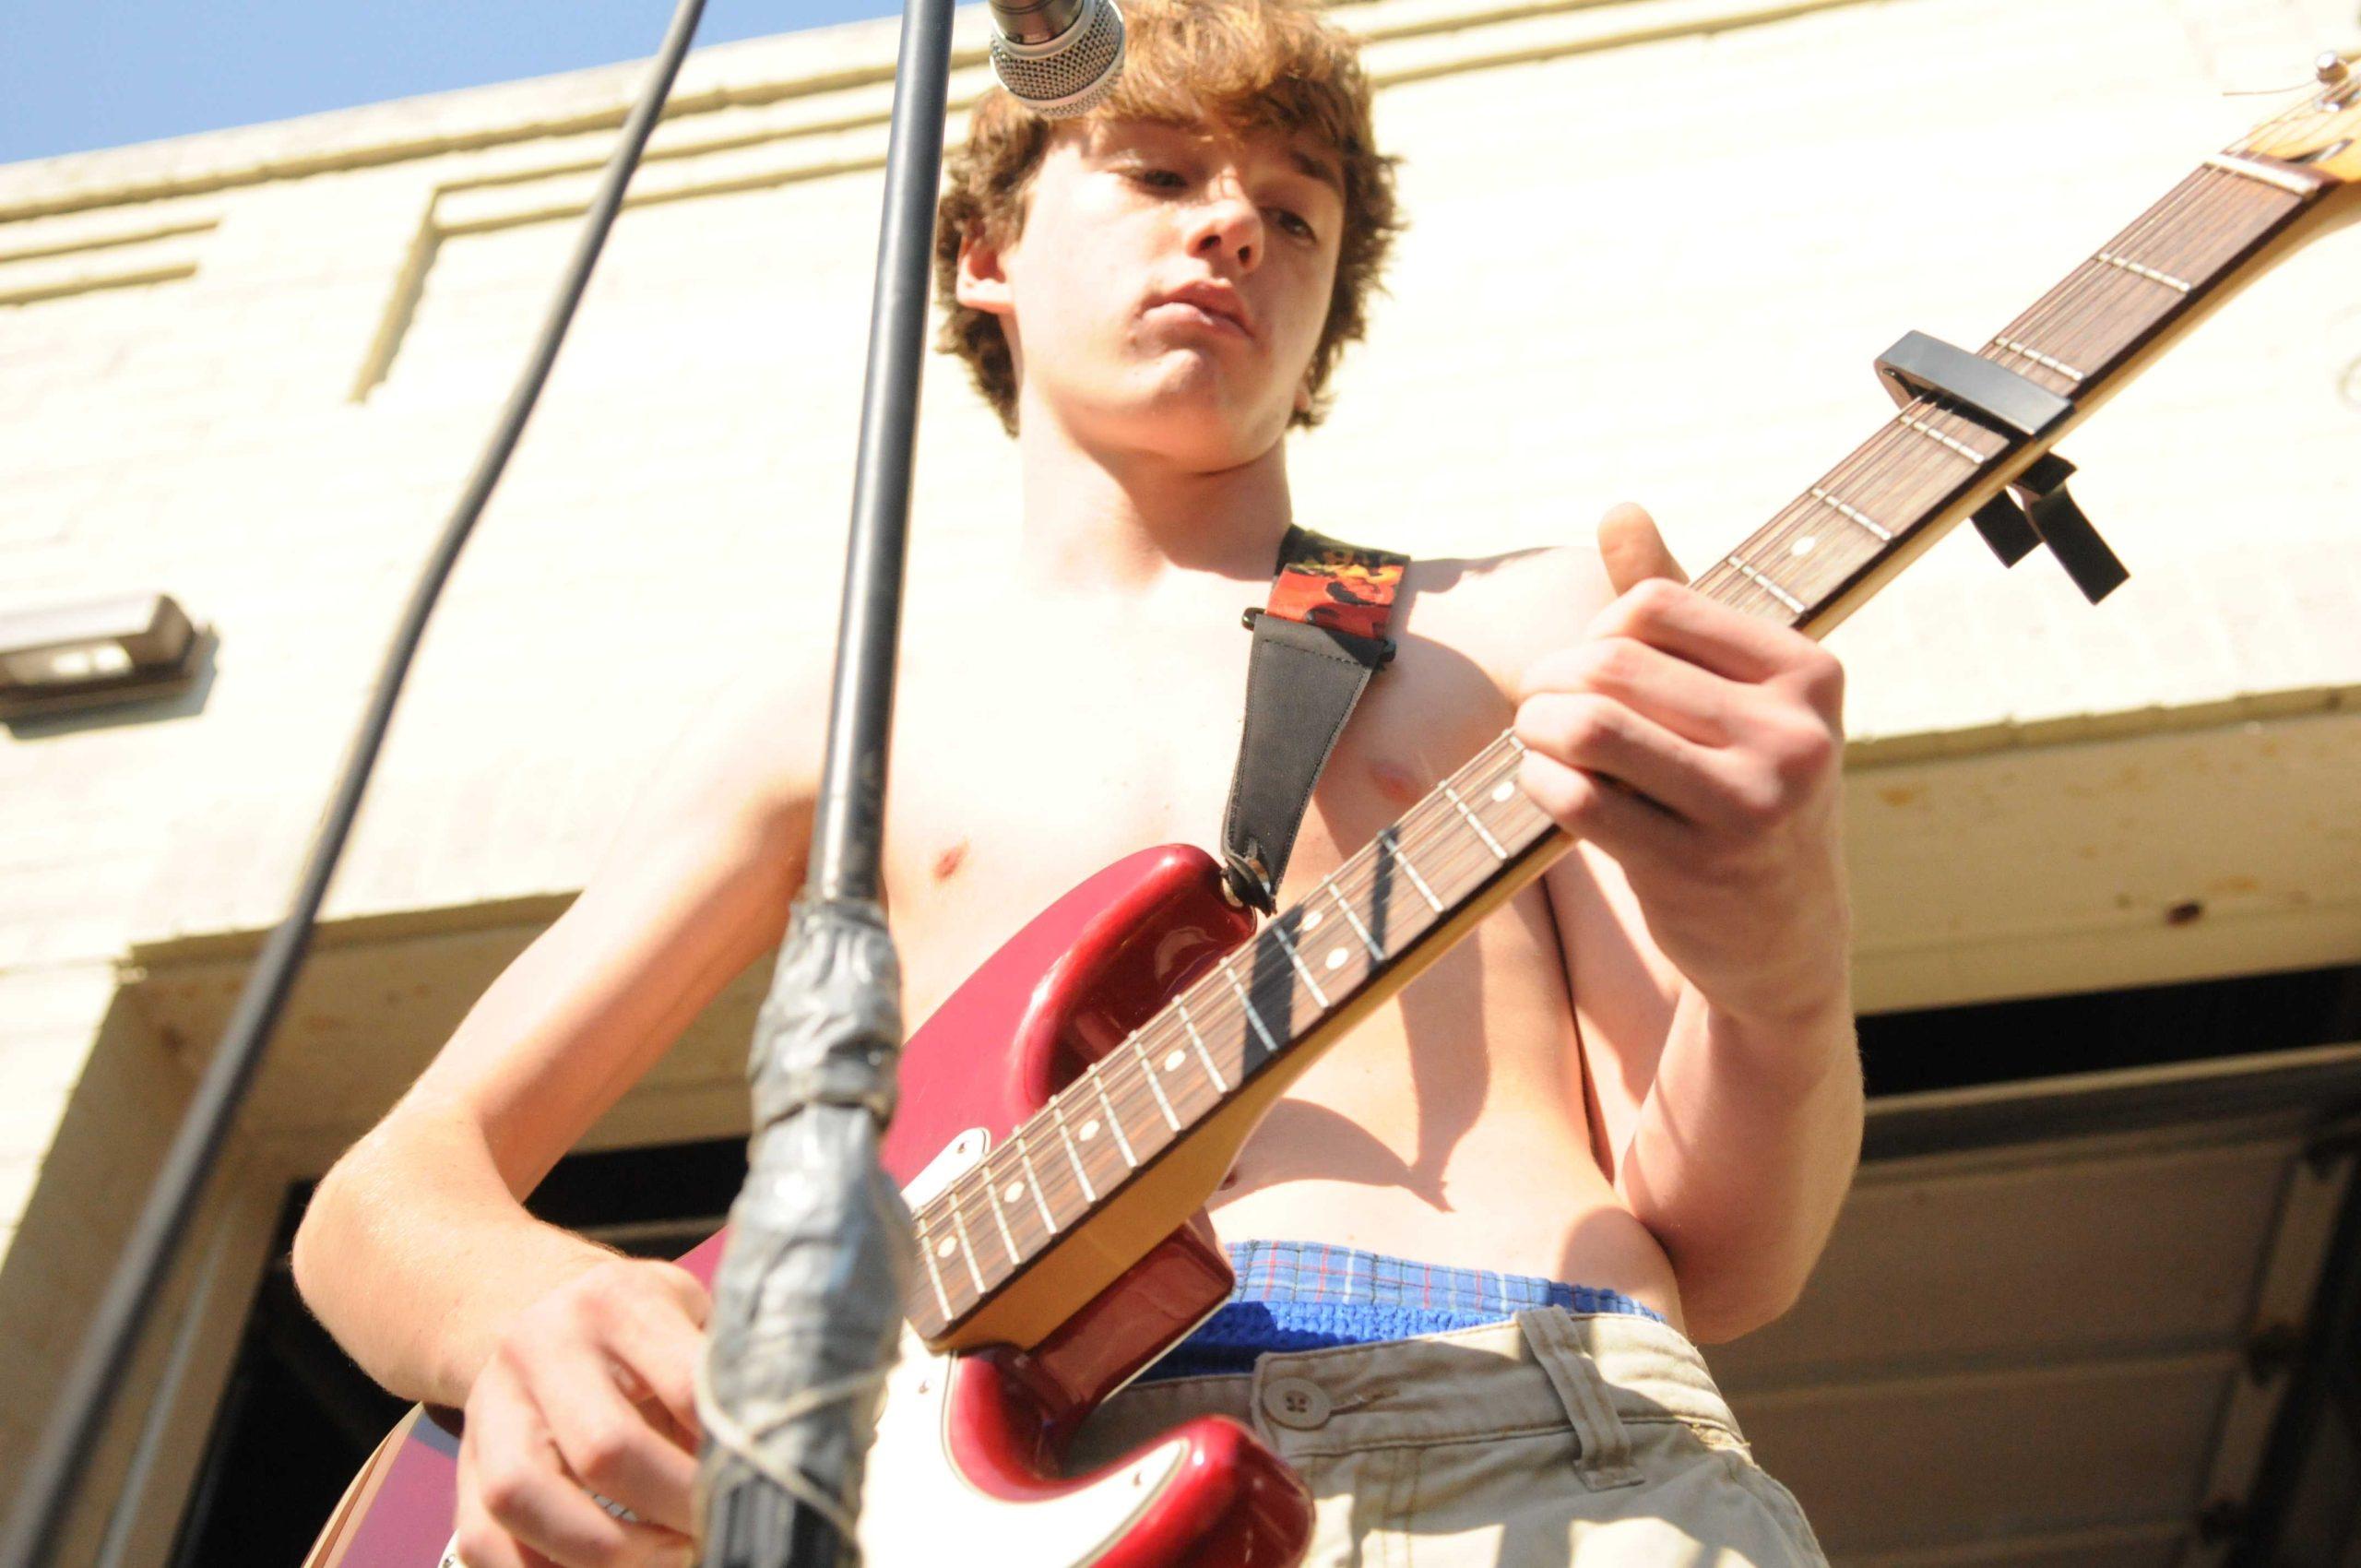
(53, 1477)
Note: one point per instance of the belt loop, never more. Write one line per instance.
(1605, 1461)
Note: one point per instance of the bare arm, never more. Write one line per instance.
(1735, 1145)
(417, 1252)
(1706, 929)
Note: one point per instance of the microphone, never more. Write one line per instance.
(1058, 59)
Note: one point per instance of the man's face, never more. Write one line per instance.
(1170, 285)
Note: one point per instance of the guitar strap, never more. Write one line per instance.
(1316, 645)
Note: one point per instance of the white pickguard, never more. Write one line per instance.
(918, 1512)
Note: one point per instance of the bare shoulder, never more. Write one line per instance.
(735, 778)
(1504, 612)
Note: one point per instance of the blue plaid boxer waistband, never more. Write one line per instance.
(1309, 1296)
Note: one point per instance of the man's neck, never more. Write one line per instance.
(1123, 522)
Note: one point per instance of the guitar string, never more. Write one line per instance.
(2308, 104)
(1120, 1074)
(2243, 200)
(2188, 249)
(1868, 481)
(1132, 1075)
(1215, 1013)
(2055, 323)
(2066, 317)
(2217, 199)
(2059, 321)
(2209, 207)
(1128, 1076)
(1894, 448)
(1217, 1016)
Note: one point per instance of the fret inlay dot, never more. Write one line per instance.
(948, 1246)
(1090, 1129)
(1310, 919)
(1015, 1191)
(1507, 788)
(1803, 546)
(1172, 1062)
(1336, 957)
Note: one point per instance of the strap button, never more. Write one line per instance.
(1296, 1402)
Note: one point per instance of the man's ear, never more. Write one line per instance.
(982, 282)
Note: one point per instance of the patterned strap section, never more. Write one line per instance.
(1315, 647)
(1342, 587)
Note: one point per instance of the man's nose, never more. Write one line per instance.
(1228, 221)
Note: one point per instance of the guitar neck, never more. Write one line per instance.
(1390, 909)
(1825, 553)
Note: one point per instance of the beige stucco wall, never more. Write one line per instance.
(1655, 246)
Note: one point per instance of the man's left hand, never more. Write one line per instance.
(1701, 747)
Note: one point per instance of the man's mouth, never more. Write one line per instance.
(1207, 306)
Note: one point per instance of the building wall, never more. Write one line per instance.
(1655, 247)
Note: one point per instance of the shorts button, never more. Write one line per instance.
(1296, 1402)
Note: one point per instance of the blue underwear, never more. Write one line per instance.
(1309, 1296)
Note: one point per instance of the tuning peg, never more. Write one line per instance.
(2331, 69)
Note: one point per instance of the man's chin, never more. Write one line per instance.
(1195, 428)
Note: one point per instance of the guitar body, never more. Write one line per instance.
(967, 1461)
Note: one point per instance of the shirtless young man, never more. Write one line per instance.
(1638, 1076)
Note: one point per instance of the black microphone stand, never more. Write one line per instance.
(808, 1302)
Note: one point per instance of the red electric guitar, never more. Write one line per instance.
(1072, 1106)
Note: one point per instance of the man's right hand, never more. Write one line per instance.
(590, 1389)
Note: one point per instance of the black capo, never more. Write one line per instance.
(2041, 512)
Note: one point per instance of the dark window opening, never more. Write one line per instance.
(2000, 1042)
(299, 1418)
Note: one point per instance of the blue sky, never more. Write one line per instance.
(77, 74)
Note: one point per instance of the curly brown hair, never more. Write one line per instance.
(1245, 64)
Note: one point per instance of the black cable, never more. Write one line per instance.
(56, 1474)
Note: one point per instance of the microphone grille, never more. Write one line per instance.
(1072, 73)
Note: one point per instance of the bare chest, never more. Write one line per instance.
(1021, 768)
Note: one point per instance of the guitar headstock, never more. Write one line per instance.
(2322, 133)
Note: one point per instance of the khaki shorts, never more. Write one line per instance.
(1552, 1438)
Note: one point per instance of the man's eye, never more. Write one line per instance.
(1295, 223)
(1162, 178)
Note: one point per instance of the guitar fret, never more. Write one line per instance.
(1767, 585)
(2060, 366)
(1853, 513)
(1931, 434)
(2286, 179)
(1252, 1016)
(1058, 1108)
(1033, 1181)
(966, 1243)
(2150, 273)
(1280, 933)
(1000, 1216)
(1376, 953)
(1180, 1007)
(1390, 843)
(1481, 832)
(1148, 1069)
(934, 1273)
(1114, 1122)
